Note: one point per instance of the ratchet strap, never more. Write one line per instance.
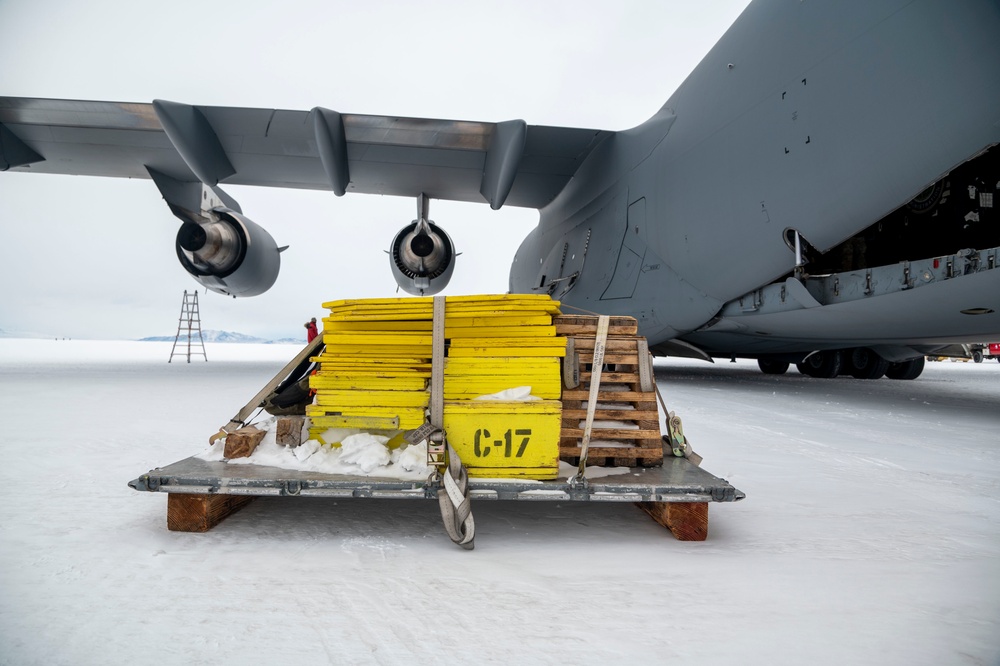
(600, 344)
(456, 507)
(675, 438)
(436, 442)
(453, 497)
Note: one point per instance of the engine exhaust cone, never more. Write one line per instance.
(191, 236)
(422, 245)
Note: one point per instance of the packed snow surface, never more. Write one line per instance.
(870, 533)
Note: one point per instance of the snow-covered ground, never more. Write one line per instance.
(870, 533)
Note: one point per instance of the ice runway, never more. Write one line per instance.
(870, 532)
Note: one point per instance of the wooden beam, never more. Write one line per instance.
(289, 430)
(242, 443)
(200, 513)
(688, 521)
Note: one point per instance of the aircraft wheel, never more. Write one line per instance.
(772, 367)
(977, 357)
(863, 363)
(822, 365)
(906, 369)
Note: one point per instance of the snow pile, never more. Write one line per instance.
(359, 454)
(366, 451)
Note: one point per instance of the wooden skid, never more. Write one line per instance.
(200, 513)
(688, 521)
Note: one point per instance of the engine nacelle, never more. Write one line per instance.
(229, 254)
(422, 258)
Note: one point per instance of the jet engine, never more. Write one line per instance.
(422, 258)
(229, 253)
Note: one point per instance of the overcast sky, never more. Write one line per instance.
(93, 258)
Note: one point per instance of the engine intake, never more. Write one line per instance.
(229, 253)
(422, 258)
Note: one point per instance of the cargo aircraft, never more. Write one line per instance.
(821, 189)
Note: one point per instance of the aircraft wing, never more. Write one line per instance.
(443, 159)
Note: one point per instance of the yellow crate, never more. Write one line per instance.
(374, 309)
(524, 300)
(366, 410)
(379, 338)
(366, 383)
(459, 391)
(364, 352)
(506, 439)
(470, 321)
(500, 364)
(486, 351)
(333, 363)
(365, 418)
(339, 398)
(351, 326)
(552, 343)
(520, 331)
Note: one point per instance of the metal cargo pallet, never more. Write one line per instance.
(202, 493)
(677, 481)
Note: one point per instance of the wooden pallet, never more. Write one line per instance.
(626, 431)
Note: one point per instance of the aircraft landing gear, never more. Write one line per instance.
(821, 364)
(906, 370)
(863, 363)
(860, 363)
(772, 367)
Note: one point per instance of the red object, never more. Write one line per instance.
(995, 349)
(311, 332)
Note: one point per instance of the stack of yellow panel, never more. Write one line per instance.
(375, 374)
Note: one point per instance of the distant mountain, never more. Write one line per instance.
(22, 334)
(209, 335)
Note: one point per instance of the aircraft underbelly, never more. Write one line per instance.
(911, 303)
